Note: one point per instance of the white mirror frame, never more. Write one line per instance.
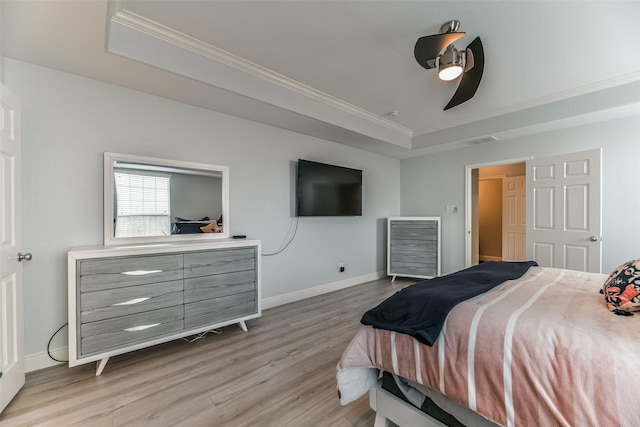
(109, 186)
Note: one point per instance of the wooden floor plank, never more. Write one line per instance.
(279, 373)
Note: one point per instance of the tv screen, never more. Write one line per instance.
(328, 190)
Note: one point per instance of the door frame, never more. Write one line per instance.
(468, 202)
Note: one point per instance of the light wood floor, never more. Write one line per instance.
(280, 373)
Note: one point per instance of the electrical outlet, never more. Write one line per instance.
(341, 268)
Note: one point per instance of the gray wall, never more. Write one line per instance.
(69, 121)
(430, 183)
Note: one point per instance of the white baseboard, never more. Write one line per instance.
(319, 290)
(489, 258)
(36, 361)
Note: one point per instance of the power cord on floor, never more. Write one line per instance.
(192, 338)
(196, 337)
(49, 345)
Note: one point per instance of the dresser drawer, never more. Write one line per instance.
(209, 312)
(409, 237)
(219, 285)
(415, 269)
(419, 230)
(410, 245)
(135, 328)
(95, 275)
(415, 224)
(110, 303)
(219, 261)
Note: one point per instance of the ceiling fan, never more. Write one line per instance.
(438, 51)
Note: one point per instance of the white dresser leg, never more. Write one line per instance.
(100, 365)
(243, 326)
(381, 421)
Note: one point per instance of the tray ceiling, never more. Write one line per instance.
(337, 69)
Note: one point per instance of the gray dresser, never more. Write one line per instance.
(130, 297)
(413, 247)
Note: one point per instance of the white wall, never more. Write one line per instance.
(432, 182)
(69, 121)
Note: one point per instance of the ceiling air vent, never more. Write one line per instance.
(481, 140)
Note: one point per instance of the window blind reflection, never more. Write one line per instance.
(142, 205)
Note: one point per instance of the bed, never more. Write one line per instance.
(539, 350)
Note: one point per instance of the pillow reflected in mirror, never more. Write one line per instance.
(189, 226)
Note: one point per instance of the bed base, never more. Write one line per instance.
(391, 408)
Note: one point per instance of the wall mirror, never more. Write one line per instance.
(149, 200)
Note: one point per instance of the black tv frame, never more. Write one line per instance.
(328, 190)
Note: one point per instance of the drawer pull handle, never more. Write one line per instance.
(140, 272)
(131, 301)
(141, 327)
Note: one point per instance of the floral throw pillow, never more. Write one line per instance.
(622, 288)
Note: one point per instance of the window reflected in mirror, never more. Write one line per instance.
(142, 204)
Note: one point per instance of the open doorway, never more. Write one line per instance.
(563, 214)
(496, 220)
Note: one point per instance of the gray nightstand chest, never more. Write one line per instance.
(413, 247)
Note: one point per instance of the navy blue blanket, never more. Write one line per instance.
(420, 310)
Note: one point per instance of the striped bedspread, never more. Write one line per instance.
(541, 350)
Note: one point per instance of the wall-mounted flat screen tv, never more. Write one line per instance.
(328, 190)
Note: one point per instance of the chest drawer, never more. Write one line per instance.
(219, 261)
(427, 268)
(95, 275)
(420, 231)
(134, 328)
(110, 303)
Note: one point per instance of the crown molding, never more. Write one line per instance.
(154, 29)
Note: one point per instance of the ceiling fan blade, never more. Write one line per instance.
(428, 47)
(471, 78)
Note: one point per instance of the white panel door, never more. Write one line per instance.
(565, 209)
(514, 218)
(11, 309)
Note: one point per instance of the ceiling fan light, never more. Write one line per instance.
(449, 72)
(450, 64)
